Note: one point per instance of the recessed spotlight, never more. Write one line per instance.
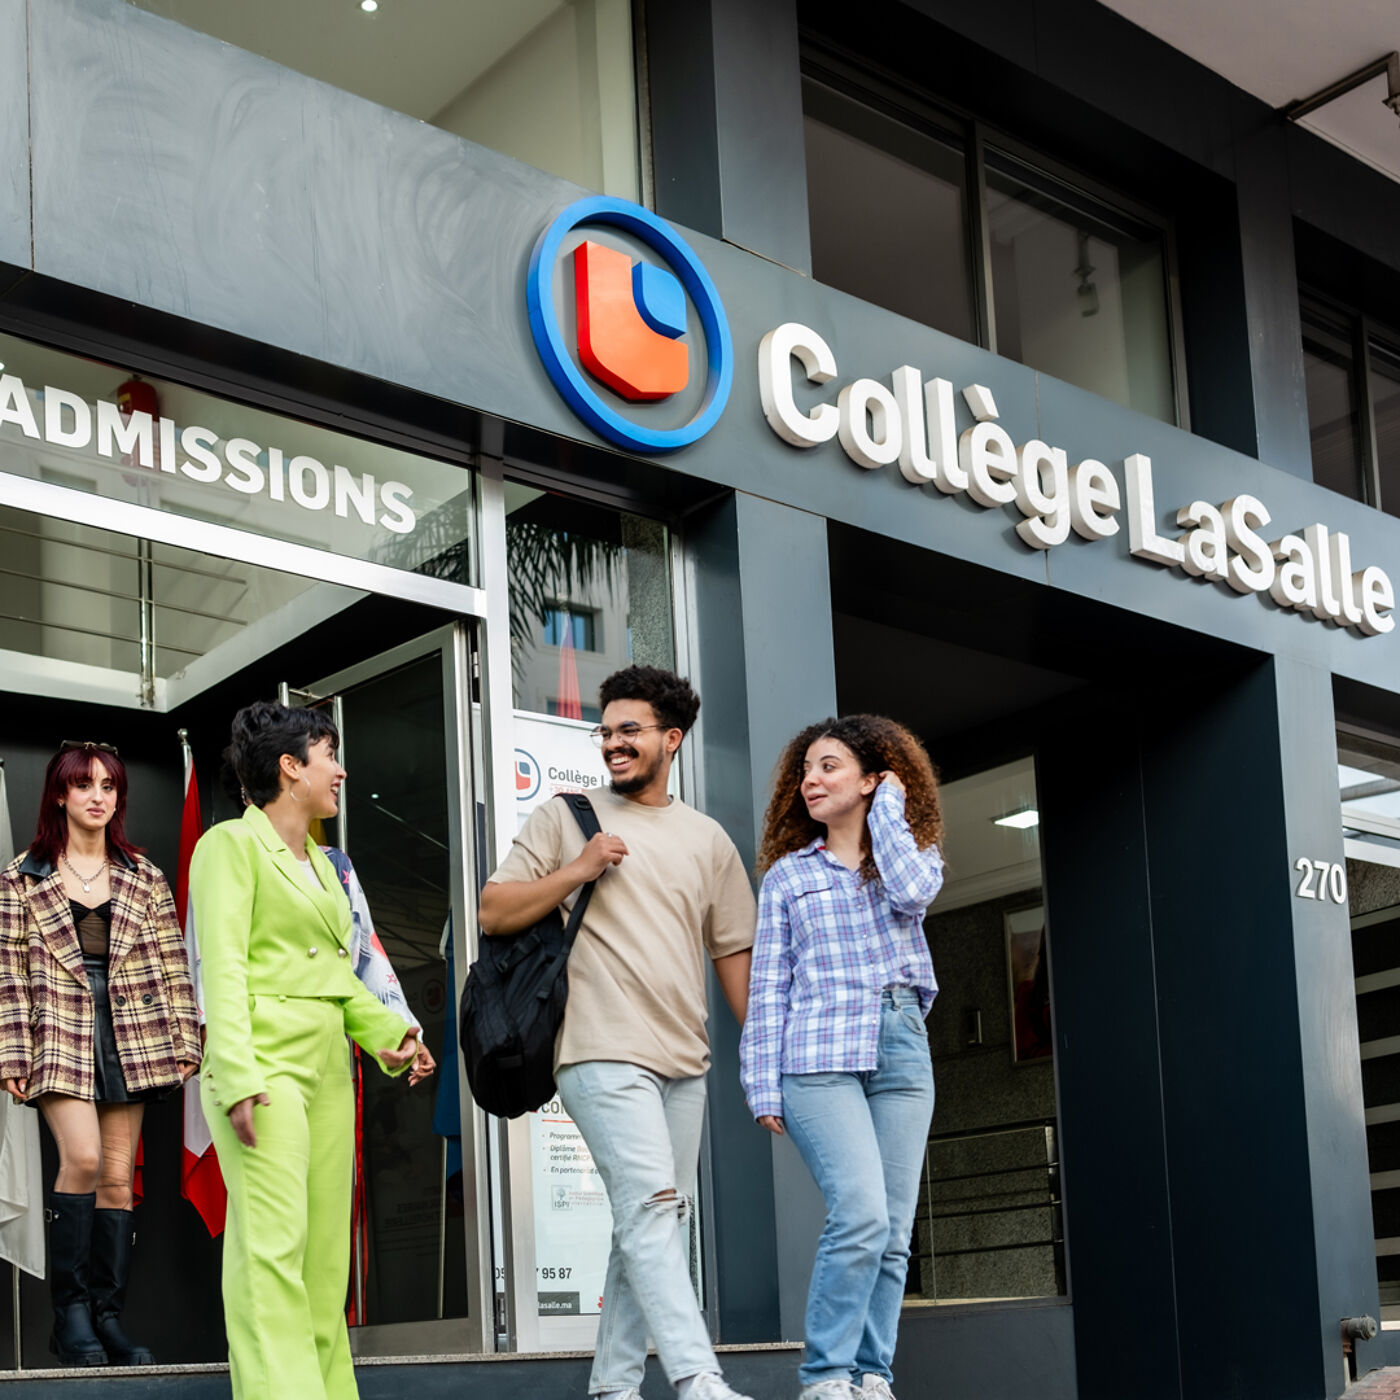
(1026, 817)
(369, 6)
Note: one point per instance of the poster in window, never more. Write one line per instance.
(1028, 978)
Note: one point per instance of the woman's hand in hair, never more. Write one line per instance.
(241, 1117)
(774, 1125)
(17, 1089)
(893, 779)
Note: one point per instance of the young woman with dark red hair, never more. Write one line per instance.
(97, 1018)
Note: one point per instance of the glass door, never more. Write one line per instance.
(406, 816)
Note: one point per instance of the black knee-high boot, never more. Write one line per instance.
(113, 1236)
(70, 1243)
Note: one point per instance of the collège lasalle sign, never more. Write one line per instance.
(911, 423)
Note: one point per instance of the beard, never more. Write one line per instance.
(639, 779)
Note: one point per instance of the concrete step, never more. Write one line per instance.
(763, 1372)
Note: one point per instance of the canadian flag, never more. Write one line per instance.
(201, 1181)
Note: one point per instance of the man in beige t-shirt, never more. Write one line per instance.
(632, 1054)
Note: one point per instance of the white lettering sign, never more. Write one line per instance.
(135, 439)
(912, 423)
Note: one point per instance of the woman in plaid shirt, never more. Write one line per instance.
(834, 1050)
(97, 1019)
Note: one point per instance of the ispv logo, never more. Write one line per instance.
(630, 317)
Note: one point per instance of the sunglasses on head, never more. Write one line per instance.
(88, 746)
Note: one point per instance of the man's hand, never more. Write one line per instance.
(241, 1117)
(423, 1065)
(188, 1069)
(774, 1125)
(602, 850)
(17, 1089)
(408, 1049)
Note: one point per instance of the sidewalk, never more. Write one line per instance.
(1378, 1385)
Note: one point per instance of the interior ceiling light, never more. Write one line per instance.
(369, 6)
(1020, 819)
(1389, 66)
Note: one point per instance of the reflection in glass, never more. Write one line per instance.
(1368, 775)
(1334, 419)
(989, 1222)
(888, 212)
(88, 426)
(549, 82)
(589, 594)
(1385, 408)
(411, 1260)
(1077, 296)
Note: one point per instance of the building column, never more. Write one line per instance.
(1271, 297)
(1261, 1073)
(762, 660)
(726, 123)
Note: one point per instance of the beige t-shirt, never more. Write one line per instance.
(637, 970)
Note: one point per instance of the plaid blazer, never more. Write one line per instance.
(46, 1012)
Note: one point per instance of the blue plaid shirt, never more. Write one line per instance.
(827, 945)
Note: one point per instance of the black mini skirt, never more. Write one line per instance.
(109, 1083)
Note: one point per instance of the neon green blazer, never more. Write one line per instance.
(264, 931)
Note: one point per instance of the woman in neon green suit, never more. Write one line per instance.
(281, 996)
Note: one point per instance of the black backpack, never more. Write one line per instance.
(513, 1003)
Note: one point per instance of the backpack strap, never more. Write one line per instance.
(587, 819)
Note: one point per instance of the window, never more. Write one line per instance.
(549, 82)
(1068, 281)
(989, 1222)
(1368, 774)
(579, 625)
(1352, 368)
(597, 579)
(888, 211)
(1078, 292)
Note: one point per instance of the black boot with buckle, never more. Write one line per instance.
(70, 1242)
(113, 1237)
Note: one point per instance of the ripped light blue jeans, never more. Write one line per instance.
(644, 1133)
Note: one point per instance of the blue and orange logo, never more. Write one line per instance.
(527, 775)
(631, 319)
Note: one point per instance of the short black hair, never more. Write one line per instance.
(262, 733)
(671, 696)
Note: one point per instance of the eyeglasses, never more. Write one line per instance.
(626, 732)
(89, 746)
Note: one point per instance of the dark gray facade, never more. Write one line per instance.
(249, 228)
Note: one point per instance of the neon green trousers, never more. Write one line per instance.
(287, 1240)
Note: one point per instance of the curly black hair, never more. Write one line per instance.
(262, 733)
(668, 694)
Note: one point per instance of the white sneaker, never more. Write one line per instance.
(833, 1389)
(630, 1393)
(875, 1387)
(710, 1385)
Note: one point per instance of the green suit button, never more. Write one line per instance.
(311, 952)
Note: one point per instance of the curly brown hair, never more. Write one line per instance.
(879, 745)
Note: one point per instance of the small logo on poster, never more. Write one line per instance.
(527, 775)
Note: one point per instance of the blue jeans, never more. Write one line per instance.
(843, 1125)
(644, 1133)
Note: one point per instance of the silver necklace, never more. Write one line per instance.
(85, 882)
